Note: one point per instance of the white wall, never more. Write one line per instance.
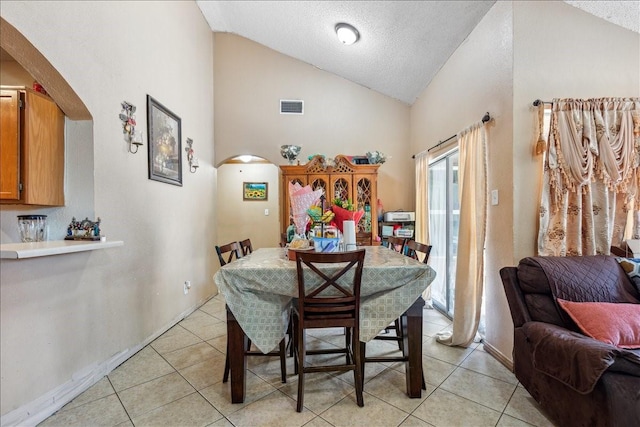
(66, 318)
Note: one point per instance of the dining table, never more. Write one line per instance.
(261, 288)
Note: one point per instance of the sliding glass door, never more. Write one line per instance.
(444, 219)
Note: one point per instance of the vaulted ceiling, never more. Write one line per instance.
(402, 44)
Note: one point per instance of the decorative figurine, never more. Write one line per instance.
(83, 230)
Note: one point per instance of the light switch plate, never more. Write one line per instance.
(494, 197)
(266, 212)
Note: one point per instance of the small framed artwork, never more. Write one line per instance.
(255, 191)
(165, 143)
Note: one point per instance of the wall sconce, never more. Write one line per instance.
(129, 126)
(193, 161)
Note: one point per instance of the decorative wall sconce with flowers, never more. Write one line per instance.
(133, 137)
(193, 161)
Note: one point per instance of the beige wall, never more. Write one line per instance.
(568, 53)
(67, 320)
(239, 219)
(521, 51)
(476, 79)
(340, 117)
(12, 74)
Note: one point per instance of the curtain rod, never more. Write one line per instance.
(537, 102)
(485, 119)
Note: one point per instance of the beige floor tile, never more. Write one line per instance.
(216, 308)
(524, 407)
(370, 371)
(453, 355)
(317, 422)
(219, 343)
(223, 422)
(205, 328)
(374, 413)
(107, 411)
(434, 316)
(479, 388)
(391, 387)
(191, 410)
(219, 394)
(143, 366)
(435, 370)
(268, 368)
(482, 362)
(127, 423)
(383, 348)
(197, 319)
(97, 391)
(509, 421)
(445, 409)
(191, 355)
(205, 373)
(412, 421)
(321, 391)
(153, 394)
(275, 409)
(430, 329)
(174, 339)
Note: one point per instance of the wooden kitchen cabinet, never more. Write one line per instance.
(32, 149)
(343, 180)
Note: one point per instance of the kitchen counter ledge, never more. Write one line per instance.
(52, 247)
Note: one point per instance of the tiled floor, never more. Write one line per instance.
(177, 381)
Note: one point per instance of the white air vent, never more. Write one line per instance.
(288, 106)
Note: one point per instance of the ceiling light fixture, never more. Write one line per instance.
(347, 34)
(245, 158)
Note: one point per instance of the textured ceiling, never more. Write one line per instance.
(402, 44)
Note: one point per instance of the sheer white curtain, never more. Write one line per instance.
(421, 233)
(590, 179)
(471, 237)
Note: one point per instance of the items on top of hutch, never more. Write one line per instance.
(83, 230)
(31, 148)
(339, 179)
(290, 152)
(129, 126)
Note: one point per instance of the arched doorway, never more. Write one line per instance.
(240, 218)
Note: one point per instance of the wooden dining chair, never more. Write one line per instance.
(233, 249)
(246, 247)
(396, 243)
(414, 249)
(411, 249)
(329, 300)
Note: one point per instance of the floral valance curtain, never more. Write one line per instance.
(591, 178)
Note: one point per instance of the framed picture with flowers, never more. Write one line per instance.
(165, 143)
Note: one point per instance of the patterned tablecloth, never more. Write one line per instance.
(260, 289)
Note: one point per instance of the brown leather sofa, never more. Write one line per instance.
(577, 380)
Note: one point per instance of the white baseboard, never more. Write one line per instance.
(33, 413)
(506, 361)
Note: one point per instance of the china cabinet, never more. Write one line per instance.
(32, 149)
(341, 179)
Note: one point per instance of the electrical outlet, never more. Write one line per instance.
(187, 286)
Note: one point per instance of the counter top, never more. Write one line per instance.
(52, 247)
